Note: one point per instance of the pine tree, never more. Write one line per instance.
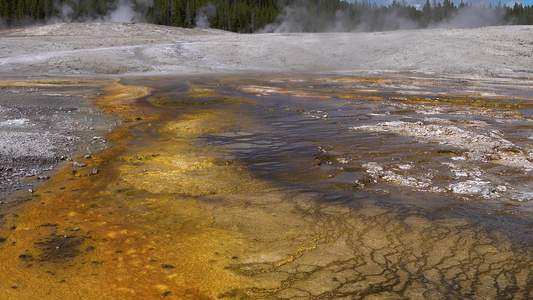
(252, 15)
(426, 15)
(48, 9)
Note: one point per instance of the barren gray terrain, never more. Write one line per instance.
(42, 126)
(135, 49)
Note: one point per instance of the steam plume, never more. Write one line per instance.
(125, 11)
(472, 17)
(204, 13)
(301, 16)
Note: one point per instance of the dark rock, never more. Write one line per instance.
(167, 266)
(165, 294)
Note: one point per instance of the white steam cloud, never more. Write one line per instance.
(66, 13)
(291, 19)
(384, 22)
(472, 17)
(204, 13)
(125, 11)
(296, 18)
(299, 18)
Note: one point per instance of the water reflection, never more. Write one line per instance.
(291, 188)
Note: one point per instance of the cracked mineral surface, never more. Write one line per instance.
(287, 187)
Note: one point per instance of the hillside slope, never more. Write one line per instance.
(135, 49)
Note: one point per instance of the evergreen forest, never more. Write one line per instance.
(248, 16)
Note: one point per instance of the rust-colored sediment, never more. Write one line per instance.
(70, 242)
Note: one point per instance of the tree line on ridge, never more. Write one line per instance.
(248, 16)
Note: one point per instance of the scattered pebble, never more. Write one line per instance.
(405, 166)
(79, 165)
(524, 197)
(501, 188)
(471, 187)
(164, 266)
(99, 138)
(343, 160)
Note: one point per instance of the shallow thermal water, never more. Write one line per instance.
(300, 187)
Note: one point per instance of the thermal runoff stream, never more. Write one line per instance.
(288, 186)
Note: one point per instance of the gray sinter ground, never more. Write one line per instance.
(41, 127)
(121, 48)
